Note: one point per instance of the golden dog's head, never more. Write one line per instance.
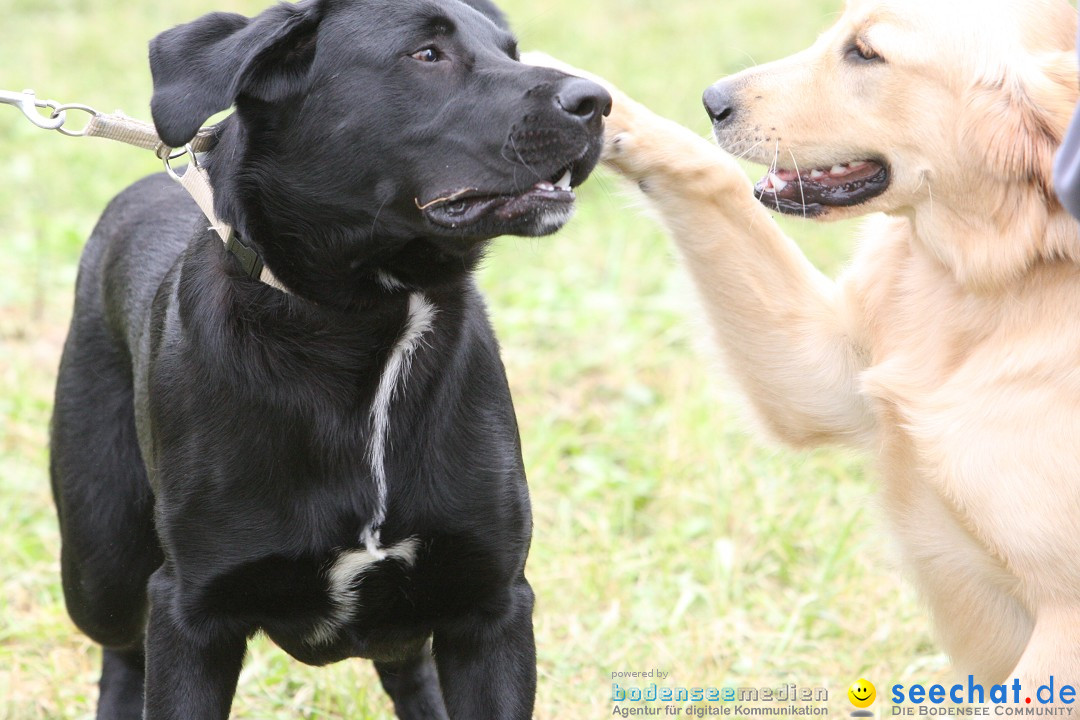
(907, 103)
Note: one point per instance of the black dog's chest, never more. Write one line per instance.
(363, 603)
(379, 603)
(352, 532)
(347, 489)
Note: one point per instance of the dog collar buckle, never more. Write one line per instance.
(249, 259)
(197, 183)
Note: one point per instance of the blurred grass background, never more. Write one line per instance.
(668, 534)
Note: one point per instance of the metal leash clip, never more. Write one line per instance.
(127, 130)
(29, 104)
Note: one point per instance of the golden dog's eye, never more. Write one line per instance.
(859, 51)
(427, 55)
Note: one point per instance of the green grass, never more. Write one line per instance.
(668, 534)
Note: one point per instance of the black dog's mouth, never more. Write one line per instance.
(809, 193)
(553, 198)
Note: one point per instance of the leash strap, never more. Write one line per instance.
(121, 128)
(141, 134)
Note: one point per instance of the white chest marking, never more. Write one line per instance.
(344, 577)
(395, 375)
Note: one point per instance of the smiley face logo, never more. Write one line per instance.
(862, 693)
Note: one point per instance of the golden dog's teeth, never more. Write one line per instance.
(857, 165)
(776, 183)
(817, 174)
(839, 170)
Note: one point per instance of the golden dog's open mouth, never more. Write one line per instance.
(811, 192)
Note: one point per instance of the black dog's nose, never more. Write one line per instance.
(583, 99)
(719, 100)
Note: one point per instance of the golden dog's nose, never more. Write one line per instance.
(719, 100)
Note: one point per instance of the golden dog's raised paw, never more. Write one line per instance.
(618, 145)
(619, 124)
(639, 144)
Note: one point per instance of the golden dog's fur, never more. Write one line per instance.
(951, 347)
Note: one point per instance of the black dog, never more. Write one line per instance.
(338, 464)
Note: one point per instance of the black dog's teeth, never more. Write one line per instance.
(563, 183)
(560, 181)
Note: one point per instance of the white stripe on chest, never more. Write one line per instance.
(345, 576)
(395, 375)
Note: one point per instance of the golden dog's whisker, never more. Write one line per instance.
(750, 57)
(772, 171)
(930, 191)
(799, 175)
(747, 151)
(923, 177)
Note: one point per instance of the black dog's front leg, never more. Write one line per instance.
(191, 673)
(487, 668)
(122, 682)
(413, 685)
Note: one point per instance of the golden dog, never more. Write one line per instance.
(951, 347)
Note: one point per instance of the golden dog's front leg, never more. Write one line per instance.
(1052, 652)
(786, 331)
(789, 334)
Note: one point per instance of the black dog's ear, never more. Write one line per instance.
(200, 68)
(488, 8)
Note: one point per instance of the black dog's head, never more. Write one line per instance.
(377, 136)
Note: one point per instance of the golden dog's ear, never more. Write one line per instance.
(1018, 121)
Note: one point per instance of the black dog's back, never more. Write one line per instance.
(136, 241)
(99, 479)
(98, 475)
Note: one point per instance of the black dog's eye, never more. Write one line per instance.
(860, 52)
(427, 55)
